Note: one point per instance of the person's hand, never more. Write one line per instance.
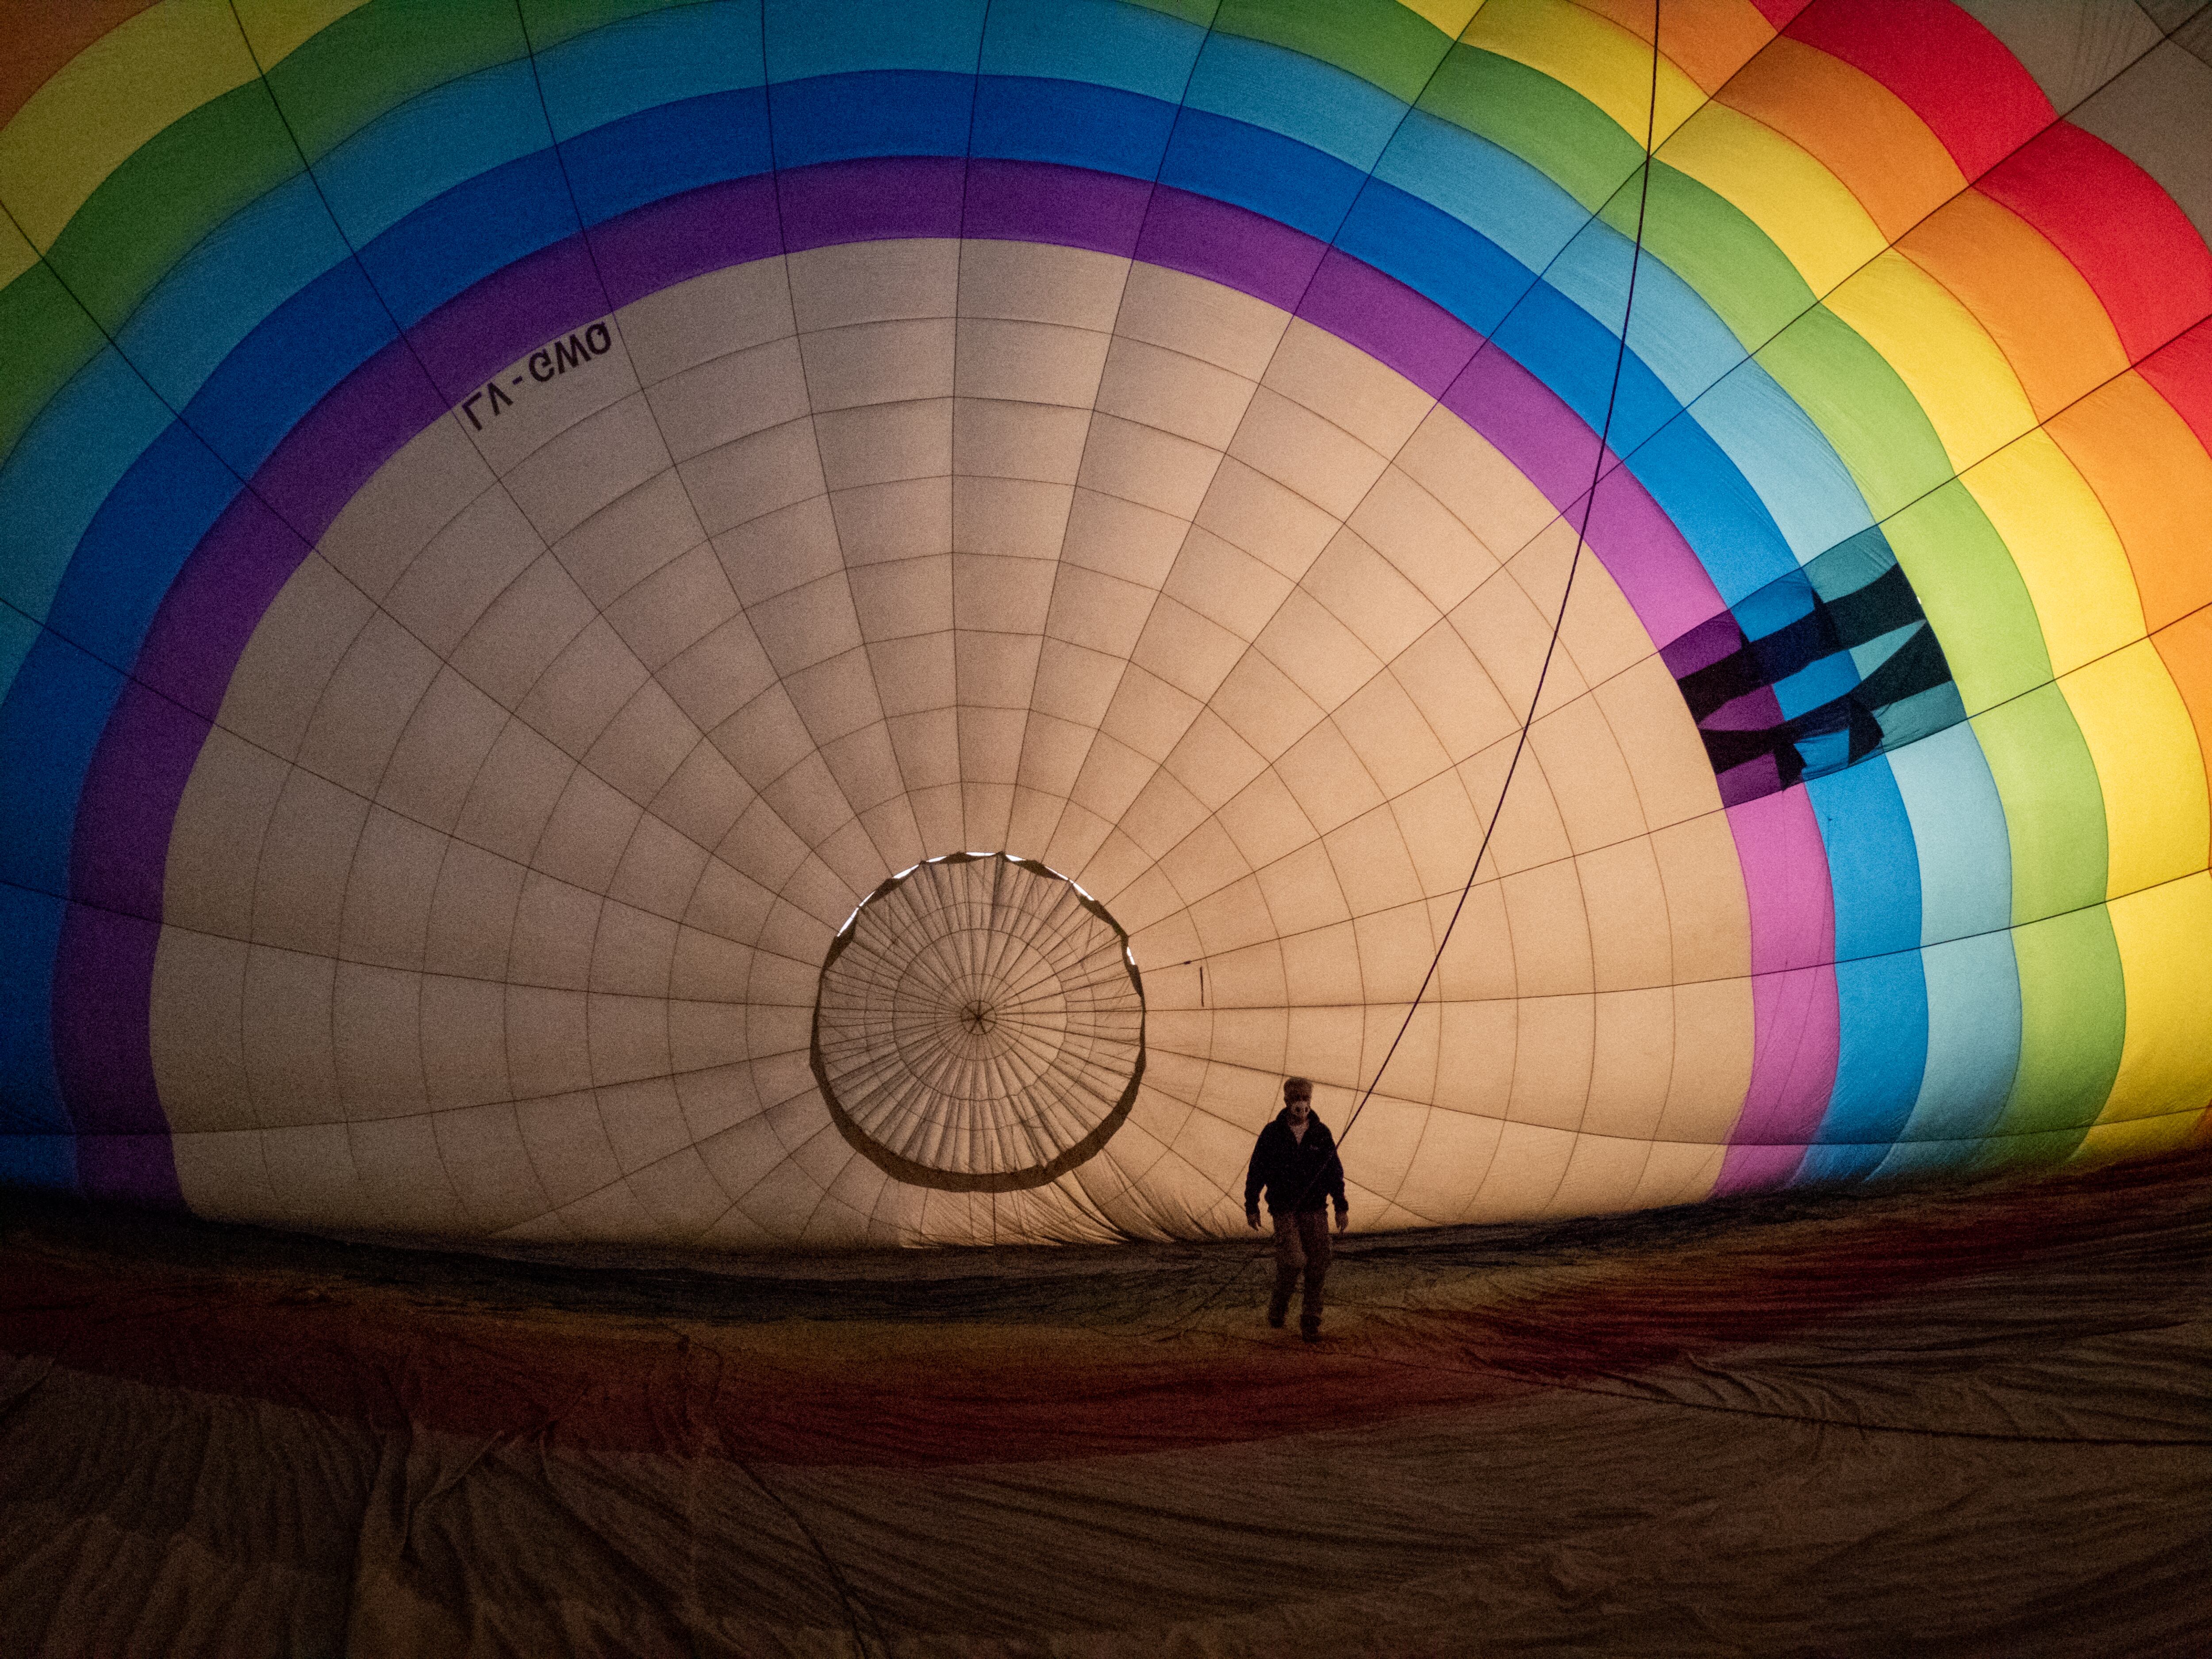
(1252, 1219)
(1343, 1218)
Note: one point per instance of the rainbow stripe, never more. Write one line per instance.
(1907, 347)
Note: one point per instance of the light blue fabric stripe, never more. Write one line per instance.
(1814, 501)
(808, 38)
(444, 137)
(228, 286)
(1973, 1039)
(1489, 190)
(1965, 854)
(642, 62)
(1103, 42)
(75, 454)
(1298, 97)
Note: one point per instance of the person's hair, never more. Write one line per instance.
(1294, 1087)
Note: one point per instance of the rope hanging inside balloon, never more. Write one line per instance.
(1559, 623)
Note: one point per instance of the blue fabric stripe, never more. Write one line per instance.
(1434, 254)
(31, 1104)
(286, 366)
(845, 118)
(68, 462)
(1973, 1038)
(144, 533)
(464, 235)
(1881, 991)
(434, 142)
(1071, 124)
(663, 152)
(1489, 190)
(49, 725)
(1289, 182)
(221, 291)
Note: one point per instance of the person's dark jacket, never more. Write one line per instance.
(1298, 1175)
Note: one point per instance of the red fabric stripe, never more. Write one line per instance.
(1955, 73)
(2181, 372)
(1778, 13)
(2124, 234)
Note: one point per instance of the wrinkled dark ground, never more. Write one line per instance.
(1969, 1421)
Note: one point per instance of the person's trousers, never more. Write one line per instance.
(1301, 1247)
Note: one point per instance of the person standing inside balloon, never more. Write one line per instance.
(1295, 1162)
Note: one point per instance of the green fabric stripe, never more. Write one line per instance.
(44, 339)
(1972, 591)
(2073, 1019)
(551, 23)
(1703, 238)
(1198, 12)
(151, 211)
(1378, 40)
(374, 59)
(1861, 406)
(2054, 804)
(1523, 110)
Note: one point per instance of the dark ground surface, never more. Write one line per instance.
(1968, 1421)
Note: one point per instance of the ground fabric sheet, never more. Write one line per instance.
(1964, 1423)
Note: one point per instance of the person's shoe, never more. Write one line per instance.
(1275, 1320)
(1309, 1329)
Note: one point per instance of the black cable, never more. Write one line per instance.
(1550, 648)
(1566, 593)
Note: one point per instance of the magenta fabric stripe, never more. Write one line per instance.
(1795, 1018)
(103, 976)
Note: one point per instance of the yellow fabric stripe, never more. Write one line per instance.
(1805, 209)
(93, 115)
(1709, 40)
(2165, 1064)
(2137, 1137)
(1604, 62)
(2140, 735)
(1962, 382)
(94, 112)
(2065, 547)
(1449, 16)
(16, 255)
(280, 27)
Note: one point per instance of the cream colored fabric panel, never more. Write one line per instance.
(564, 757)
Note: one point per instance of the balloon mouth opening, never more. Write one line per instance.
(979, 1024)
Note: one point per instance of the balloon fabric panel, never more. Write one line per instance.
(1182, 507)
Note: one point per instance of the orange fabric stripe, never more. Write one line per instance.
(2154, 481)
(1709, 40)
(1858, 129)
(42, 35)
(2041, 312)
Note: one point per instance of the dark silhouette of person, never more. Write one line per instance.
(1295, 1162)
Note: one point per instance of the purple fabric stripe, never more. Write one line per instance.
(102, 1021)
(1042, 202)
(1228, 244)
(147, 753)
(539, 297)
(1547, 442)
(1704, 645)
(671, 242)
(1796, 1029)
(1389, 322)
(870, 201)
